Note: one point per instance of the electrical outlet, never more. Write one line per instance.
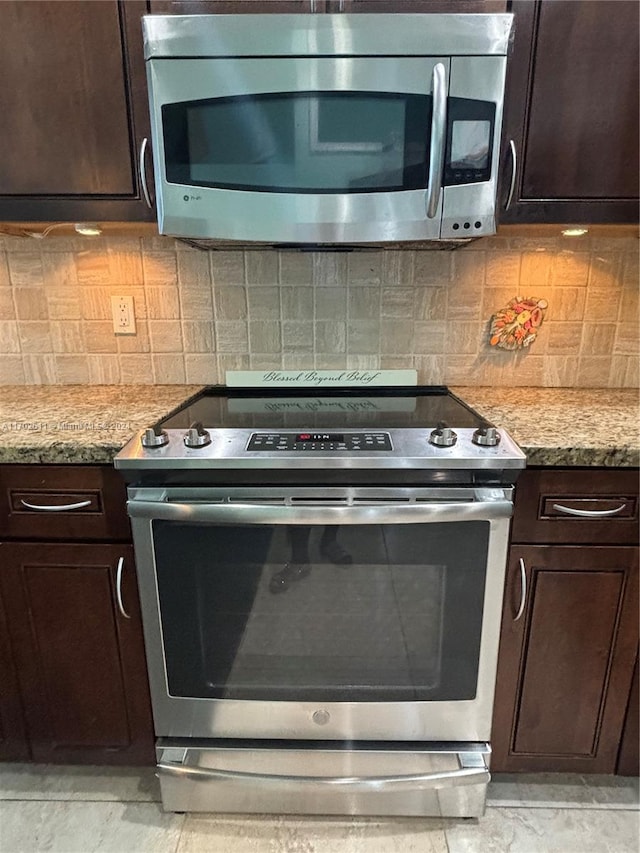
(124, 318)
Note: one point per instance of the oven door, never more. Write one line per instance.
(325, 149)
(321, 613)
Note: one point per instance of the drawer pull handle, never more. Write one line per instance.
(56, 508)
(589, 513)
(119, 588)
(523, 588)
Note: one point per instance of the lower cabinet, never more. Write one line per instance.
(566, 658)
(13, 736)
(78, 670)
(629, 755)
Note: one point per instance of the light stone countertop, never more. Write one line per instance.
(89, 424)
(565, 426)
(80, 423)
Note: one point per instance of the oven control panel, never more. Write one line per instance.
(308, 442)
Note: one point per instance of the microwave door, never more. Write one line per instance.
(300, 150)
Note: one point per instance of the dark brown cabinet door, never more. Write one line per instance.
(565, 667)
(572, 112)
(13, 737)
(74, 109)
(629, 755)
(80, 661)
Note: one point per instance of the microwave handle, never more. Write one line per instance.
(438, 134)
(142, 171)
(514, 172)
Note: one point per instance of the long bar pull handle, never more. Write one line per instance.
(57, 507)
(267, 514)
(466, 775)
(523, 589)
(438, 134)
(119, 588)
(514, 172)
(142, 171)
(589, 513)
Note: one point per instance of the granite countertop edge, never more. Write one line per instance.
(554, 427)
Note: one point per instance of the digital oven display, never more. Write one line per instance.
(320, 436)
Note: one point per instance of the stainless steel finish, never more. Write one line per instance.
(411, 450)
(486, 436)
(142, 172)
(168, 36)
(119, 588)
(325, 53)
(589, 513)
(153, 438)
(435, 779)
(474, 77)
(197, 436)
(443, 436)
(438, 134)
(514, 170)
(464, 776)
(56, 508)
(523, 589)
(376, 513)
(468, 720)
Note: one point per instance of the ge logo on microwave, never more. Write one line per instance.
(191, 197)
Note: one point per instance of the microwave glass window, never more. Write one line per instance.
(320, 142)
(470, 144)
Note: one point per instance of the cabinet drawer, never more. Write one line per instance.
(62, 502)
(595, 505)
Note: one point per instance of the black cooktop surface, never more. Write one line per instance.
(219, 407)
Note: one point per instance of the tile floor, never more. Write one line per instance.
(46, 808)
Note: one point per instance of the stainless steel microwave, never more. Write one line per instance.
(326, 129)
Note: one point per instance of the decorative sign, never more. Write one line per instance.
(517, 325)
(319, 378)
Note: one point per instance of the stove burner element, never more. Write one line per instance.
(443, 436)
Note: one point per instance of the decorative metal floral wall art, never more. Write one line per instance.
(517, 324)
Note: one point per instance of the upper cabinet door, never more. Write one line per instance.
(571, 114)
(73, 103)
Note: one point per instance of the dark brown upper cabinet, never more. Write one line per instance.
(571, 113)
(74, 110)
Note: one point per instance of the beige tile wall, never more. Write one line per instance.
(201, 313)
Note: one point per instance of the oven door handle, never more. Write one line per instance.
(402, 513)
(473, 772)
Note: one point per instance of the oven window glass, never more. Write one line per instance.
(309, 142)
(322, 613)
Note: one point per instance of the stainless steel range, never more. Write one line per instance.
(321, 577)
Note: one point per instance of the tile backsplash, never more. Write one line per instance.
(200, 313)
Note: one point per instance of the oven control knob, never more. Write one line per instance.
(486, 436)
(197, 436)
(443, 436)
(154, 437)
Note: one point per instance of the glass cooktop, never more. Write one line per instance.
(219, 407)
